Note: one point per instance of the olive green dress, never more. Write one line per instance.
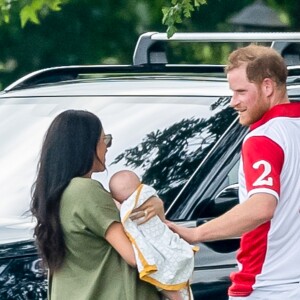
(93, 270)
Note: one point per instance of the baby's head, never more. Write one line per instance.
(122, 184)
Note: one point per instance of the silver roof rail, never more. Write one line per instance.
(150, 46)
(67, 73)
(63, 73)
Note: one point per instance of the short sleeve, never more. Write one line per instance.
(95, 208)
(262, 162)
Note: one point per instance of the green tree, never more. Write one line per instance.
(183, 10)
(99, 32)
(179, 10)
(174, 14)
(28, 10)
(83, 32)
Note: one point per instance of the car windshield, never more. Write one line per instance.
(162, 138)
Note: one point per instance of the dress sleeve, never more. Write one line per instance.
(262, 162)
(97, 210)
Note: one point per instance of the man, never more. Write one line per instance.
(268, 216)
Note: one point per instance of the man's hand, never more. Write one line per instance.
(188, 234)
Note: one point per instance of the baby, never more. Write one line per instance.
(163, 258)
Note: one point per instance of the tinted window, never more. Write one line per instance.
(197, 198)
(162, 138)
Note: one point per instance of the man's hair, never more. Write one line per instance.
(261, 62)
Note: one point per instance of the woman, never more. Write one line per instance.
(78, 229)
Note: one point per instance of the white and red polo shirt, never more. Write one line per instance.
(269, 256)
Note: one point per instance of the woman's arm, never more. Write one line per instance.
(117, 237)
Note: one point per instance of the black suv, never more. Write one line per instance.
(172, 124)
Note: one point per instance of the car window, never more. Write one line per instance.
(232, 177)
(162, 138)
(197, 198)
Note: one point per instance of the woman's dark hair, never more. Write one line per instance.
(68, 151)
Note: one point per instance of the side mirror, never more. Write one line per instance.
(230, 191)
(226, 199)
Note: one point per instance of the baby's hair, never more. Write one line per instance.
(122, 184)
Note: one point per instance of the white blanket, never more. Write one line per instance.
(163, 258)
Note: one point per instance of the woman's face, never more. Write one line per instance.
(103, 143)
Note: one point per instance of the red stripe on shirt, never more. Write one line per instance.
(251, 256)
(263, 161)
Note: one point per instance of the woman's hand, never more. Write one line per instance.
(154, 206)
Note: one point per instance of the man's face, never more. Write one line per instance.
(248, 99)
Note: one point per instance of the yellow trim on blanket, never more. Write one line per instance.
(196, 248)
(147, 269)
(139, 189)
(168, 287)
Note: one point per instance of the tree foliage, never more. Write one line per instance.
(37, 34)
(179, 10)
(28, 10)
(83, 32)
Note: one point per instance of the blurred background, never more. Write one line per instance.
(105, 32)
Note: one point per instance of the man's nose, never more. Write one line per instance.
(234, 100)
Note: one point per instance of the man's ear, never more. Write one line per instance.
(268, 86)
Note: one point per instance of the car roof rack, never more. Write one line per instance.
(150, 56)
(150, 48)
(57, 74)
(66, 73)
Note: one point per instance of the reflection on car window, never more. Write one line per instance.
(162, 139)
(196, 199)
(169, 157)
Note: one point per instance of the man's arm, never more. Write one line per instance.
(258, 209)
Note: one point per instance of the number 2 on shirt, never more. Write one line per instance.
(263, 179)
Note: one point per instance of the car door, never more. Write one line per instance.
(211, 191)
